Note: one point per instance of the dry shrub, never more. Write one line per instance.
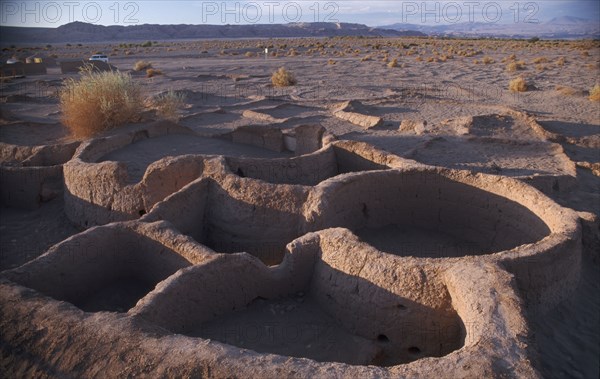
(249, 54)
(365, 58)
(142, 65)
(487, 60)
(393, 63)
(561, 61)
(518, 85)
(566, 91)
(595, 93)
(331, 62)
(540, 60)
(283, 78)
(99, 101)
(152, 72)
(514, 66)
(167, 104)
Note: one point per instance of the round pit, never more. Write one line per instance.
(428, 213)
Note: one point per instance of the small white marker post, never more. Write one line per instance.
(266, 52)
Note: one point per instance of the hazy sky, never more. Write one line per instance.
(373, 13)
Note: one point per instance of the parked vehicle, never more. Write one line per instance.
(99, 57)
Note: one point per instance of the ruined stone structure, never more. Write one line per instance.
(180, 272)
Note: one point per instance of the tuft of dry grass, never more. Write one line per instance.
(393, 63)
(99, 101)
(250, 54)
(142, 65)
(167, 104)
(514, 66)
(331, 62)
(488, 60)
(566, 91)
(283, 78)
(595, 93)
(152, 72)
(518, 85)
(561, 61)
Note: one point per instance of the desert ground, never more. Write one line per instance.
(428, 103)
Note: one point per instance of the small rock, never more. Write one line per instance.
(418, 126)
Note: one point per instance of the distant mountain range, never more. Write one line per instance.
(565, 27)
(84, 32)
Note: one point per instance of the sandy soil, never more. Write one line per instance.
(294, 326)
(221, 84)
(25, 235)
(415, 242)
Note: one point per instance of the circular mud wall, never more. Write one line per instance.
(430, 201)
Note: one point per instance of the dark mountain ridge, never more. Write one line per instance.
(84, 32)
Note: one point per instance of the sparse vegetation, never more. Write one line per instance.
(283, 78)
(99, 101)
(518, 85)
(488, 60)
(167, 104)
(595, 93)
(151, 72)
(393, 63)
(566, 91)
(513, 66)
(142, 65)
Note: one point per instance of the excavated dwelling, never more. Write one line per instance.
(32, 174)
(391, 310)
(417, 211)
(244, 271)
(140, 168)
(303, 155)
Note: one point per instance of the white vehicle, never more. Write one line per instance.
(99, 57)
